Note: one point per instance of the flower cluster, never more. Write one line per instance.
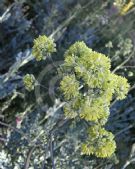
(121, 87)
(29, 82)
(88, 86)
(100, 142)
(94, 110)
(66, 83)
(43, 47)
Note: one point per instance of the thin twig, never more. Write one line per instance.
(131, 157)
(59, 107)
(51, 152)
(8, 103)
(128, 66)
(15, 129)
(132, 87)
(66, 22)
(128, 163)
(28, 158)
(123, 130)
(123, 63)
(113, 102)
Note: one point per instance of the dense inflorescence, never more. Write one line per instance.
(89, 86)
(100, 142)
(29, 82)
(43, 47)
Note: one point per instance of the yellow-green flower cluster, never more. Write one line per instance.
(69, 84)
(69, 112)
(121, 87)
(29, 82)
(88, 87)
(94, 110)
(100, 142)
(43, 47)
(88, 77)
(70, 108)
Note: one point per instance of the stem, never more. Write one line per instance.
(123, 63)
(15, 129)
(123, 130)
(37, 84)
(51, 152)
(28, 158)
(128, 163)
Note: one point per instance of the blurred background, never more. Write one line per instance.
(107, 26)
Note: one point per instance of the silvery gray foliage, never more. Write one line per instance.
(14, 27)
(121, 122)
(8, 88)
(36, 135)
(22, 58)
(5, 160)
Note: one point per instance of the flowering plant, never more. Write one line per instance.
(87, 86)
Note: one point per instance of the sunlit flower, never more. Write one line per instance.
(29, 82)
(70, 86)
(43, 47)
